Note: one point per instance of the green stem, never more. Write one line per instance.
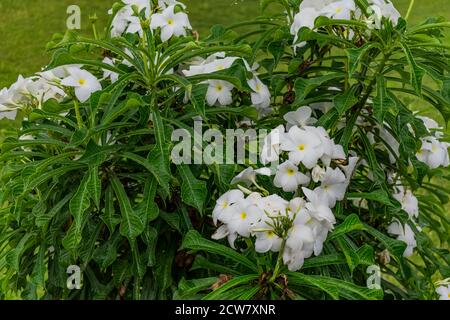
(279, 262)
(78, 113)
(410, 8)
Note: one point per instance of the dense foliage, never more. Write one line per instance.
(91, 179)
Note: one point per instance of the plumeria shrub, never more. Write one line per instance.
(346, 199)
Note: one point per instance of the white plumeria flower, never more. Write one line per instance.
(261, 94)
(299, 246)
(305, 18)
(165, 3)
(55, 75)
(304, 147)
(385, 8)
(318, 173)
(318, 207)
(108, 73)
(408, 201)
(434, 153)
(43, 91)
(340, 9)
(243, 218)
(248, 176)
(328, 149)
(404, 233)
(289, 178)
(443, 292)
(84, 83)
(267, 241)
(301, 117)
(224, 202)
(432, 126)
(270, 151)
(6, 100)
(332, 187)
(219, 91)
(171, 23)
(223, 232)
(273, 205)
(218, 63)
(297, 204)
(316, 4)
(125, 21)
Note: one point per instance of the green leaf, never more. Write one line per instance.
(396, 247)
(216, 294)
(335, 287)
(150, 238)
(159, 156)
(94, 186)
(78, 137)
(344, 101)
(193, 191)
(201, 262)
(15, 255)
(148, 207)
(324, 260)
(417, 72)
(355, 55)
(78, 206)
(351, 255)
(38, 274)
(131, 224)
(197, 98)
(382, 102)
(109, 216)
(351, 223)
(378, 195)
(189, 288)
(303, 87)
(194, 241)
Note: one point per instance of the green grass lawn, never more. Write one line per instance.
(27, 25)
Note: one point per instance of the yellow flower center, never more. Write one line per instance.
(224, 205)
(243, 215)
(219, 88)
(448, 295)
(434, 149)
(81, 81)
(338, 10)
(220, 67)
(258, 88)
(270, 234)
(290, 172)
(170, 22)
(301, 147)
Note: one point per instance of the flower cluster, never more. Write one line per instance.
(220, 91)
(310, 10)
(52, 84)
(434, 153)
(315, 170)
(27, 92)
(166, 17)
